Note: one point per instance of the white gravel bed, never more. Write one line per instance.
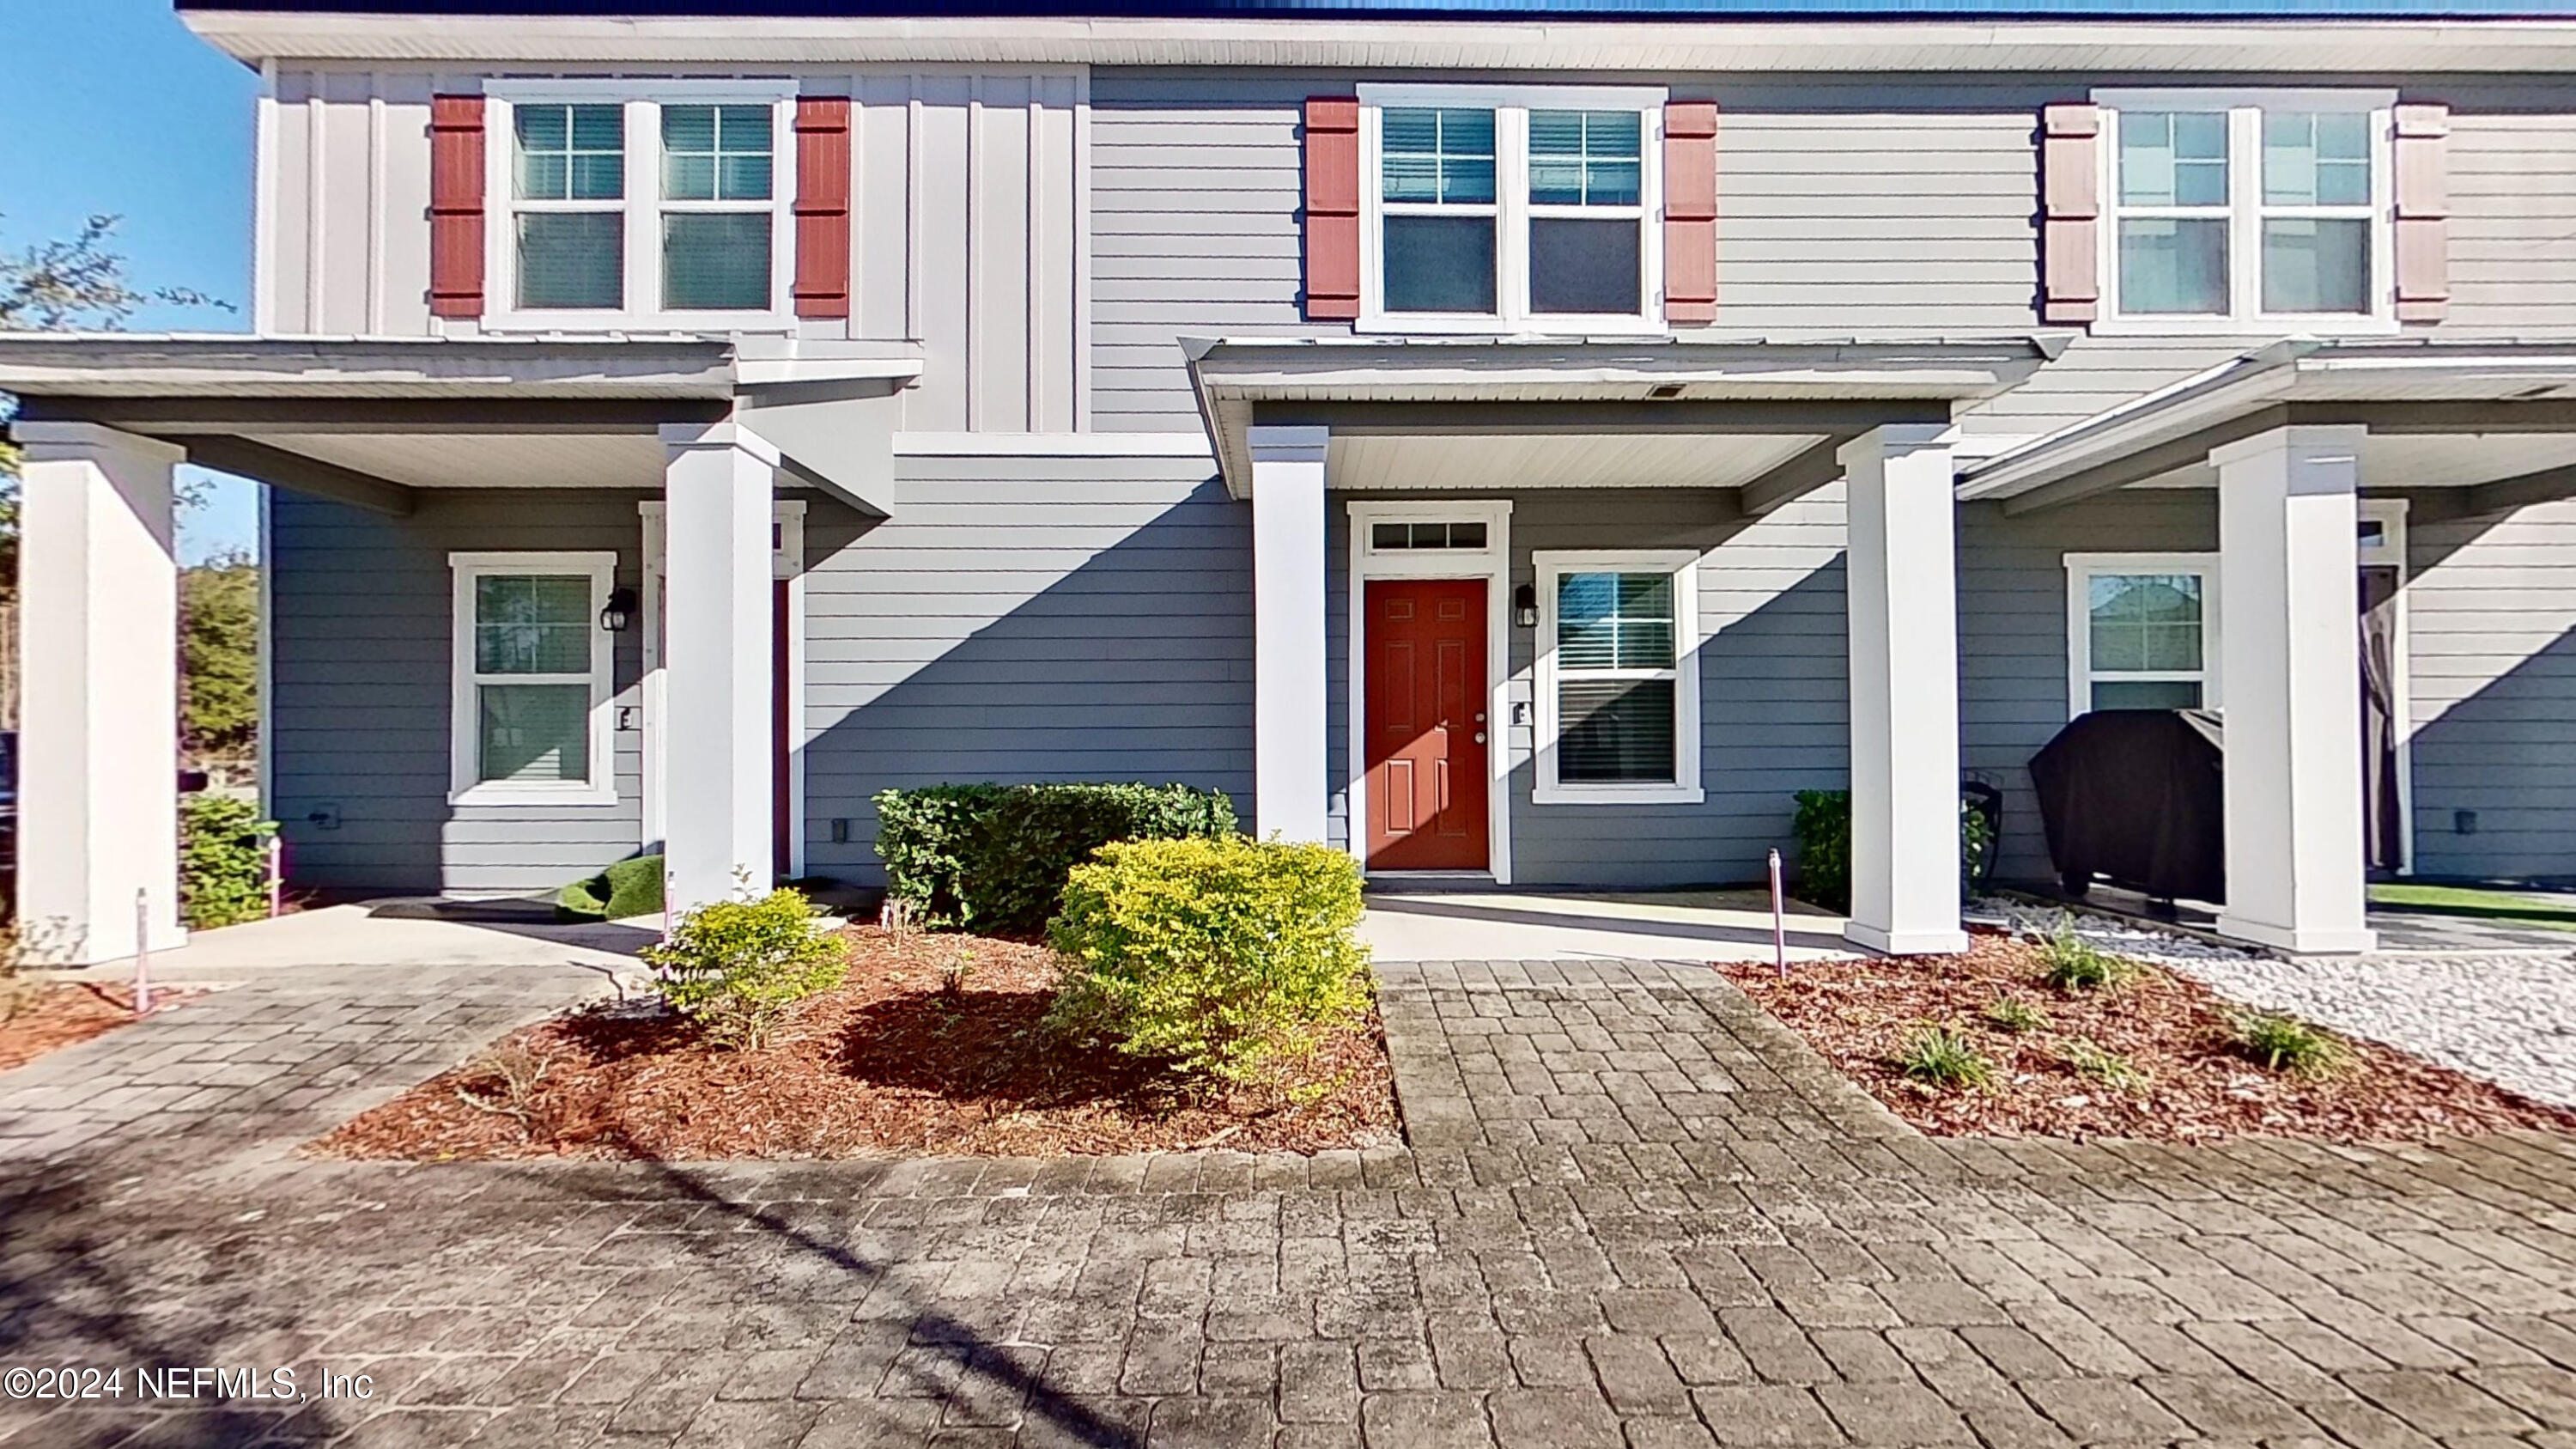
(2507, 1018)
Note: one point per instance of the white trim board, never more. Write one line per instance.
(1193, 444)
(1492, 563)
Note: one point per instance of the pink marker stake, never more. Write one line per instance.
(142, 954)
(1779, 920)
(276, 877)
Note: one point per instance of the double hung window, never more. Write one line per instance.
(2271, 210)
(1493, 209)
(1618, 677)
(2142, 631)
(532, 675)
(642, 211)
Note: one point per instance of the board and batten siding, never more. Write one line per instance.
(969, 230)
(1025, 619)
(1773, 684)
(361, 670)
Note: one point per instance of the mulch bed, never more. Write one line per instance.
(887, 1064)
(71, 1012)
(1859, 1013)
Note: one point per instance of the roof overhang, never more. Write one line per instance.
(2272, 39)
(1766, 415)
(2441, 414)
(372, 420)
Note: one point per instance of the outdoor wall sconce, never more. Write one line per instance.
(619, 611)
(1525, 606)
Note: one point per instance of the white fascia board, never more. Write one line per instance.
(1590, 44)
(775, 372)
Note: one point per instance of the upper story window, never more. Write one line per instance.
(2252, 211)
(660, 211)
(1525, 209)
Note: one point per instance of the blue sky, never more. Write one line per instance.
(112, 106)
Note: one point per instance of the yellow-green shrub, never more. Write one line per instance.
(1221, 957)
(736, 968)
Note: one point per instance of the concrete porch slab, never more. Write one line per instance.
(1581, 925)
(395, 936)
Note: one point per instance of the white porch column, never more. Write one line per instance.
(98, 741)
(1904, 621)
(2290, 684)
(1288, 632)
(716, 582)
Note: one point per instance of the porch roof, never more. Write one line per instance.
(369, 420)
(2477, 427)
(1415, 412)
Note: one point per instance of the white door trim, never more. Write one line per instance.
(1492, 563)
(787, 561)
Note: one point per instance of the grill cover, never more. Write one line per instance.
(2137, 796)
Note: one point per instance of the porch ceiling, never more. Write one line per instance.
(2479, 426)
(368, 421)
(1419, 413)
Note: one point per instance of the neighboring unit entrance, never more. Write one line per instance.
(1426, 725)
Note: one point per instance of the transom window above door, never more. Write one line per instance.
(662, 210)
(1510, 209)
(2142, 631)
(2233, 211)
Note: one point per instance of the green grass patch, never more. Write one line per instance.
(2285, 1044)
(1944, 1058)
(2514, 907)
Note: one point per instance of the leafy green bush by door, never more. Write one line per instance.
(1823, 828)
(628, 888)
(737, 968)
(1222, 957)
(996, 857)
(223, 861)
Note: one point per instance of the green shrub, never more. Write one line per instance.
(736, 968)
(2075, 964)
(223, 861)
(1220, 956)
(2285, 1044)
(2013, 1014)
(628, 888)
(995, 857)
(1944, 1058)
(1823, 828)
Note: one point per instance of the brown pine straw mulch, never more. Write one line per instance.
(1859, 1013)
(55, 1015)
(886, 1064)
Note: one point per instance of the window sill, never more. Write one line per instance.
(557, 323)
(490, 794)
(1400, 325)
(1617, 795)
(2251, 328)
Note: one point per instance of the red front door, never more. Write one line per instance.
(1426, 724)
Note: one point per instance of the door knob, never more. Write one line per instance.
(1480, 716)
(1480, 737)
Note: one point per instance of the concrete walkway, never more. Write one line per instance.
(399, 935)
(1650, 1220)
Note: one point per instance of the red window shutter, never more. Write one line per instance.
(823, 207)
(456, 179)
(2423, 242)
(1690, 211)
(1332, 208)
(2070, 165)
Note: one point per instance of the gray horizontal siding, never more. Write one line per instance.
(361, 675)
(2491, 640)
(1025, 619)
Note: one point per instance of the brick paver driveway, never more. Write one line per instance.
(1637, 1214)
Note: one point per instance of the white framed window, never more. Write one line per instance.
(1617, 681)
(1511, 208)
(662, 205)
(534, 679)
(2141, 631)
(2247, 210)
